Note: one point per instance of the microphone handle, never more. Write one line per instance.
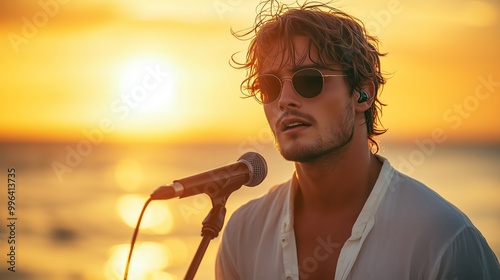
(220, 181)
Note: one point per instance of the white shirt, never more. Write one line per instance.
(404, 231)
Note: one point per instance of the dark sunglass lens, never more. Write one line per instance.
(269, 88)
(308, 82)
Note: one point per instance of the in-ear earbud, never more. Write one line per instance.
(363, 96)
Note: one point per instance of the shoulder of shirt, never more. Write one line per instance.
(427, 202)
(266, 207)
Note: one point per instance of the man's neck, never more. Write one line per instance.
(337, 182)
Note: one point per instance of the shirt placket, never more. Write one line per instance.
(287, 238)
(289, 255)
(351, 249)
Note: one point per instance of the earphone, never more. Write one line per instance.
(363, 96)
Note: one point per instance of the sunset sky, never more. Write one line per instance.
(152, 75)
(158, 70)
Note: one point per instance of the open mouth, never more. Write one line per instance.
(289, 125)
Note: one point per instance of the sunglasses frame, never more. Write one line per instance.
(290, 78)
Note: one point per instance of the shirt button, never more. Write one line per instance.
(283, 240)
(289, 278)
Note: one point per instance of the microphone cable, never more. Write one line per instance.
(134, 237)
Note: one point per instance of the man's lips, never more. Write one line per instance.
(289, 123)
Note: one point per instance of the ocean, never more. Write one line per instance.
(74, 205)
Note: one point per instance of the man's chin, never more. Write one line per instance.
(296, 152)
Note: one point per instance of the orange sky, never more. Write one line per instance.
(68, 68)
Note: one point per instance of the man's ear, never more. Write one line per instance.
(364, 97)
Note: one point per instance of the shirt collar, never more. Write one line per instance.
(367, 214)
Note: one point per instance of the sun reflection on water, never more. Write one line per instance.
(128, 175)
(149, 259)
(178, 251)
(157, 219)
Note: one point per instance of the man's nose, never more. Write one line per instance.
(288, 97)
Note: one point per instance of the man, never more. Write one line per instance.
(346, 213)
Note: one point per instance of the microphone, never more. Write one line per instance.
(250, 170)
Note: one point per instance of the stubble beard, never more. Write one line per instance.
(333, 142)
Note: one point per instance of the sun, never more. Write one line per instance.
(146, 85)
(146, 102)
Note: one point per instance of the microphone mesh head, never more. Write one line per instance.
(258, 168)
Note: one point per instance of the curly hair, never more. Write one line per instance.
(339, 38)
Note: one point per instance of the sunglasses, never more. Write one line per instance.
(307, 82)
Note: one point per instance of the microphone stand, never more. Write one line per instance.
(211, 227)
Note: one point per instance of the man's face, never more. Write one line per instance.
(308, 128)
